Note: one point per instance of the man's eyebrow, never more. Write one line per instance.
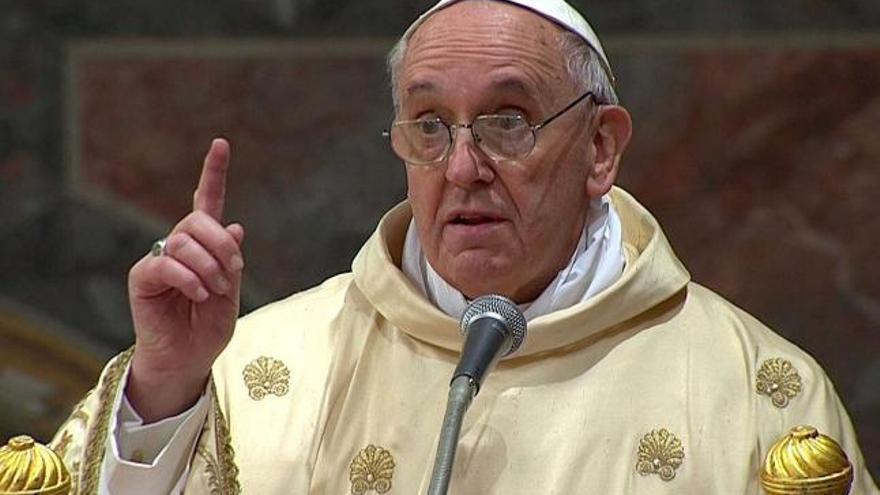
(504, 84)
(420, 86)
(516, 85)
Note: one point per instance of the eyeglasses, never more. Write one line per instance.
(502, 137)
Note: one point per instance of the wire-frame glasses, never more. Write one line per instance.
(502, 137)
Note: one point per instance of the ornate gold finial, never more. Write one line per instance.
(779, 380)
(264, 376)
(805, 461)
(371, 469)
(27, 467)
(661, 453)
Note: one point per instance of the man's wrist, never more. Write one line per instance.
(159, 395)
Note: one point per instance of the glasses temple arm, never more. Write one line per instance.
(567, 108)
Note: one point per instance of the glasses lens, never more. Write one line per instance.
(420, 141)
(506, 136)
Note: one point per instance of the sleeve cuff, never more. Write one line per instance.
(154, 458)
(143, 444)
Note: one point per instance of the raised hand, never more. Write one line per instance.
(184, 304)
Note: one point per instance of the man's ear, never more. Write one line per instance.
(613, 132)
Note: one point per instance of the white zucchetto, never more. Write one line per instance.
(557, 11)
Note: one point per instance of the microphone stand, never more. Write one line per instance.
(461, 394)
(493, 327)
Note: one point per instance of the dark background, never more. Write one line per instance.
(757, 140)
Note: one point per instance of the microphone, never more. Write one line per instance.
(493, 327)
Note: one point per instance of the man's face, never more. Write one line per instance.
(490, 226)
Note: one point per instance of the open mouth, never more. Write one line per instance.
(473, 220)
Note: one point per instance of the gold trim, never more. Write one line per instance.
(371, 469)
(63, 444)
(74, 478)
(211, 470)
(78, 413)
(779, 380)
(265, 376)
(97, 434)
(228, 472)
(660, 453)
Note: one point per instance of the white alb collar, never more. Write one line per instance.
(597, 262)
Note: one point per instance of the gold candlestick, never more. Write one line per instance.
(806, 462)
(28, 468)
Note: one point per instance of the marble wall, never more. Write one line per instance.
(754, 145)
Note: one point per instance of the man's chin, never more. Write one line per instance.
(471, 272)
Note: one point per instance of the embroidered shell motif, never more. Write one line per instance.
(371, 469)
(779, 380)
(661, 453)
(264, 376)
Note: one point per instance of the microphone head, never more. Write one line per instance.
(500, 308)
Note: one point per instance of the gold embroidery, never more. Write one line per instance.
(264, 376)
(211, 470)
(63, 444)
(74, 478)
(371, 469)
(228, 472)
(97, 434)
(779, 380)
(80, 415)
(78, 412)
(661, 453)
(220, 468)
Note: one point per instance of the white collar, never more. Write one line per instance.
(598, 260)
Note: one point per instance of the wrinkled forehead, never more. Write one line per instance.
(556, 11)
(485, 45)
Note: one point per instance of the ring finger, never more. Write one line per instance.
(190, 253)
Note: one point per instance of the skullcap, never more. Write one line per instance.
(557, 11)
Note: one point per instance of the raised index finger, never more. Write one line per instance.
(210, 195)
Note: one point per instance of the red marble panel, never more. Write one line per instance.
(307, 153)
(765, 177)
(145, 124)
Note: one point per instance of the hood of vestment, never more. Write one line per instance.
(653, 275)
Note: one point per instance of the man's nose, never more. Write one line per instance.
(467, 163)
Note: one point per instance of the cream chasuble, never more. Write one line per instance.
(654, 386)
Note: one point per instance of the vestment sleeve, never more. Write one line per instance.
(81, 440)
(86, 445)
(141, 459)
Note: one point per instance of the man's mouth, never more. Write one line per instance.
(473, 219)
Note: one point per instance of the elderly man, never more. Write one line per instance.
(633, 379)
